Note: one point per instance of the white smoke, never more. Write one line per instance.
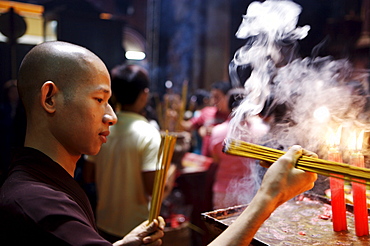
(290, 88)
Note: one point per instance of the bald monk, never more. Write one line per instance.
(65, 90)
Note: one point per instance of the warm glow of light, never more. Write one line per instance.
(105, 16)
(355, 143)
(360, 140)
(21, 8)
(334, 137)
(352, 141)
(33, 16)
(322, 114)
(135, 55)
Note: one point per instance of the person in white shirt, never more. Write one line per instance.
(125, 166)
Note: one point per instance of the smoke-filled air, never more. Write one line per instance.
(290, 99)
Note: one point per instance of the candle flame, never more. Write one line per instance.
(360, 140)
(334, 138)
(355, 143)
(352, 141)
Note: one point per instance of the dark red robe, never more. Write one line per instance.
(41, 204)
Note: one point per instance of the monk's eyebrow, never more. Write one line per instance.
(104, 90)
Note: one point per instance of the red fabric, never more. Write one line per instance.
(209, 116)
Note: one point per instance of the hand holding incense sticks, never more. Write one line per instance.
(164, 160)
(319, 166)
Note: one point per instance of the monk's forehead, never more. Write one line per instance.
(60, 48)
(70, 49)
(69, 55)
(58, 62)
(65, 59)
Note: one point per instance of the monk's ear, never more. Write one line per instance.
(48, 99)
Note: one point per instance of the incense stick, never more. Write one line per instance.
(183, 105)
(316, 165)
(165, 153)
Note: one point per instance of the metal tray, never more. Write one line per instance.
(301, 221)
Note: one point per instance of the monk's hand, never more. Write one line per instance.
(283, 181)
(146, 233)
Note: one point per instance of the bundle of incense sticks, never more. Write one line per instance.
(316, 165)
(164, 160)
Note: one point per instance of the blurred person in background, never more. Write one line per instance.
(9, 102)
(236, 181)
(150, 112)
(210, 116)
(199, 100)
(124, 169)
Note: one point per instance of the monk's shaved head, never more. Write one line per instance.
(63, 63)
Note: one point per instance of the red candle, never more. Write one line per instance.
(359, 199)
(338, 202)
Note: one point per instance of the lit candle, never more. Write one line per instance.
(338, 202)
(359, 190)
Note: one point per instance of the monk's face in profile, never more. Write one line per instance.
(65, 89)
(85, 116)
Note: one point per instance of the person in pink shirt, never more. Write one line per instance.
(236, 179)
(211, 115)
